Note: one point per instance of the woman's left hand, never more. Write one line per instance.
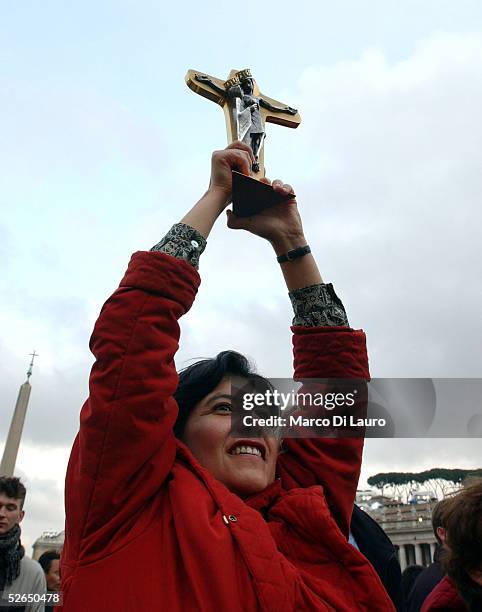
(280, 224)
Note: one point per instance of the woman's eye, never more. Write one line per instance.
(224, 408)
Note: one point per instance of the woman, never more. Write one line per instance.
(461, 589)
(210, 522)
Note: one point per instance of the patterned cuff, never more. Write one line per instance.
(316, 306)
(184, 242)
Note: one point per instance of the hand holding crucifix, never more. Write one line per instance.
(246, 111)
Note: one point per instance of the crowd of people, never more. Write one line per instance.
(167, 510)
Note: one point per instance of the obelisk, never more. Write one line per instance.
(7, 467)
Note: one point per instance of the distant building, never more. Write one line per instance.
(422, 497)
(409, 526)
(370, 500)
(49, 540)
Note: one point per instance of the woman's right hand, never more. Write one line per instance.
(236, 156)
(202, 216)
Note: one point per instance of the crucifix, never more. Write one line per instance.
(246, 111)
(33, 355)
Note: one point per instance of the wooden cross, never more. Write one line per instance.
(246, 109)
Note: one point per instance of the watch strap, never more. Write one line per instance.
(294, 254)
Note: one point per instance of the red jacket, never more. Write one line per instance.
(149, 529)
(444, 597)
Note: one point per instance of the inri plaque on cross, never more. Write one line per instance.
(246, 111)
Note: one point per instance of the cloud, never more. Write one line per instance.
(390, 196)
(63, 130)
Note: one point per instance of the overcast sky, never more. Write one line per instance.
(104, 147)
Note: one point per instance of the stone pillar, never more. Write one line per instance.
(418, 554)
(402, 557)
(7, 467)
(432, 550)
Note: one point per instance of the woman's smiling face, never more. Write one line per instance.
(244, 465)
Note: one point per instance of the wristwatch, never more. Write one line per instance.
(294, 254)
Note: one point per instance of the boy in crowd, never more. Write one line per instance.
(19, 575)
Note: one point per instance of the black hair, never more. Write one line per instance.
(46, 559)
(11, 486)
(199, 379)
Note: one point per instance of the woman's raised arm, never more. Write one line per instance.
(281, 226)
(324, 347)
(125, 447)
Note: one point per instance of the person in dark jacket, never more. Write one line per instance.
(409, 576)
(377, 547)
(433, 574)
(50, 562)
(428, 579)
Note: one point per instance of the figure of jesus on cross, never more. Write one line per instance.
(247, 109)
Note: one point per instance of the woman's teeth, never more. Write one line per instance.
(246, 450)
